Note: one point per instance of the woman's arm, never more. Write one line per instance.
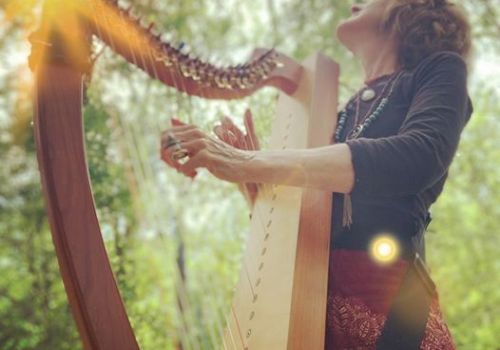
(406, 163)
(420, 154)
(327, 168)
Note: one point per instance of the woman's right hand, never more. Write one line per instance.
(228, 132)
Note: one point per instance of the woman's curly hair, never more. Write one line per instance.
(423, 27)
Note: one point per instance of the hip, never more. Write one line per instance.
(361, 293)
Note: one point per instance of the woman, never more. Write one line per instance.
(395, 141)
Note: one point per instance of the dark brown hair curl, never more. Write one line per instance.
(423, 27)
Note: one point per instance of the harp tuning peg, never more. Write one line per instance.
(127, 10)
(151, 27)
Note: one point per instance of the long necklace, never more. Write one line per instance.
(359, 127)
(370, 117)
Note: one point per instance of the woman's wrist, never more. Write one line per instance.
(281, 167)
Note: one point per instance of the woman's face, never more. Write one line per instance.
(363, 25)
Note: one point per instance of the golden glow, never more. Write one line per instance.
(113, 27)
(384, 249)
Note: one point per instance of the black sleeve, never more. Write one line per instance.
(422, 150)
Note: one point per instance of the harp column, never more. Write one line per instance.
(59, 59)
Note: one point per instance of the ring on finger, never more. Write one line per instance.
(173, 144)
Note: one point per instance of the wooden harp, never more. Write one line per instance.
(280, 300)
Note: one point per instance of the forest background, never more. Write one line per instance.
(175, 244)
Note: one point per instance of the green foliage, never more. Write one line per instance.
(175, 245)
(34, 313)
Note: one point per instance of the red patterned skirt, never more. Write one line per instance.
(359, 298)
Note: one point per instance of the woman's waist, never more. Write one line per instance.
(358, 275)
(376, 235)
(401, 213)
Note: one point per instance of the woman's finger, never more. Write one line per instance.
(223, 134)
(186, 135)
(194, 146)
(166, 156)
(228, 122)
(234, 134)
(177, 125)
(177, 122)
(251, 137)
(189, 168)
(220, 132)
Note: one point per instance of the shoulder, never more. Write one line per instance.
(442, 74)
(437, 69)
(440, 64)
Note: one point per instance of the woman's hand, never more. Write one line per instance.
(228, 132)
(204, 151)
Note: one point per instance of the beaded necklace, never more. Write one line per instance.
(368, 119)
(359, 127)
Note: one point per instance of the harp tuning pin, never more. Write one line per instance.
(184, 69)
(174, 57)
(195, 74)
(151, 27)
(245, 81)
(182, 47)
(218, 80)
(240, 83)
(225, 81)
(234, 81)
(167, 62)
(194, 70)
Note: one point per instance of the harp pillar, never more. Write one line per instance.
(59, 59)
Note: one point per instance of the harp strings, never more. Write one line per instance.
(236, 336)
(184, 301)
(183, 305)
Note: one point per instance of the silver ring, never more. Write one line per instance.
(177, 152)
(172, 141)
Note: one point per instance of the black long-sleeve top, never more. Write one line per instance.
(401, 160)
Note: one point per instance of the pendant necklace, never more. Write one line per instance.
(368, 94)
(360, 126)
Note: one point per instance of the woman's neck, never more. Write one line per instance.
(378, 59)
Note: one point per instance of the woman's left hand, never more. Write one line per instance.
(204, 151)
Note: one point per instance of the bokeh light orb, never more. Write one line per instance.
(384, 249)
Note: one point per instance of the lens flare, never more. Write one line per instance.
(384, 249)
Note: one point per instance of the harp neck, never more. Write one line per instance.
(68, 26)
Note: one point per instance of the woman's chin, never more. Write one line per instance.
(343, 32)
